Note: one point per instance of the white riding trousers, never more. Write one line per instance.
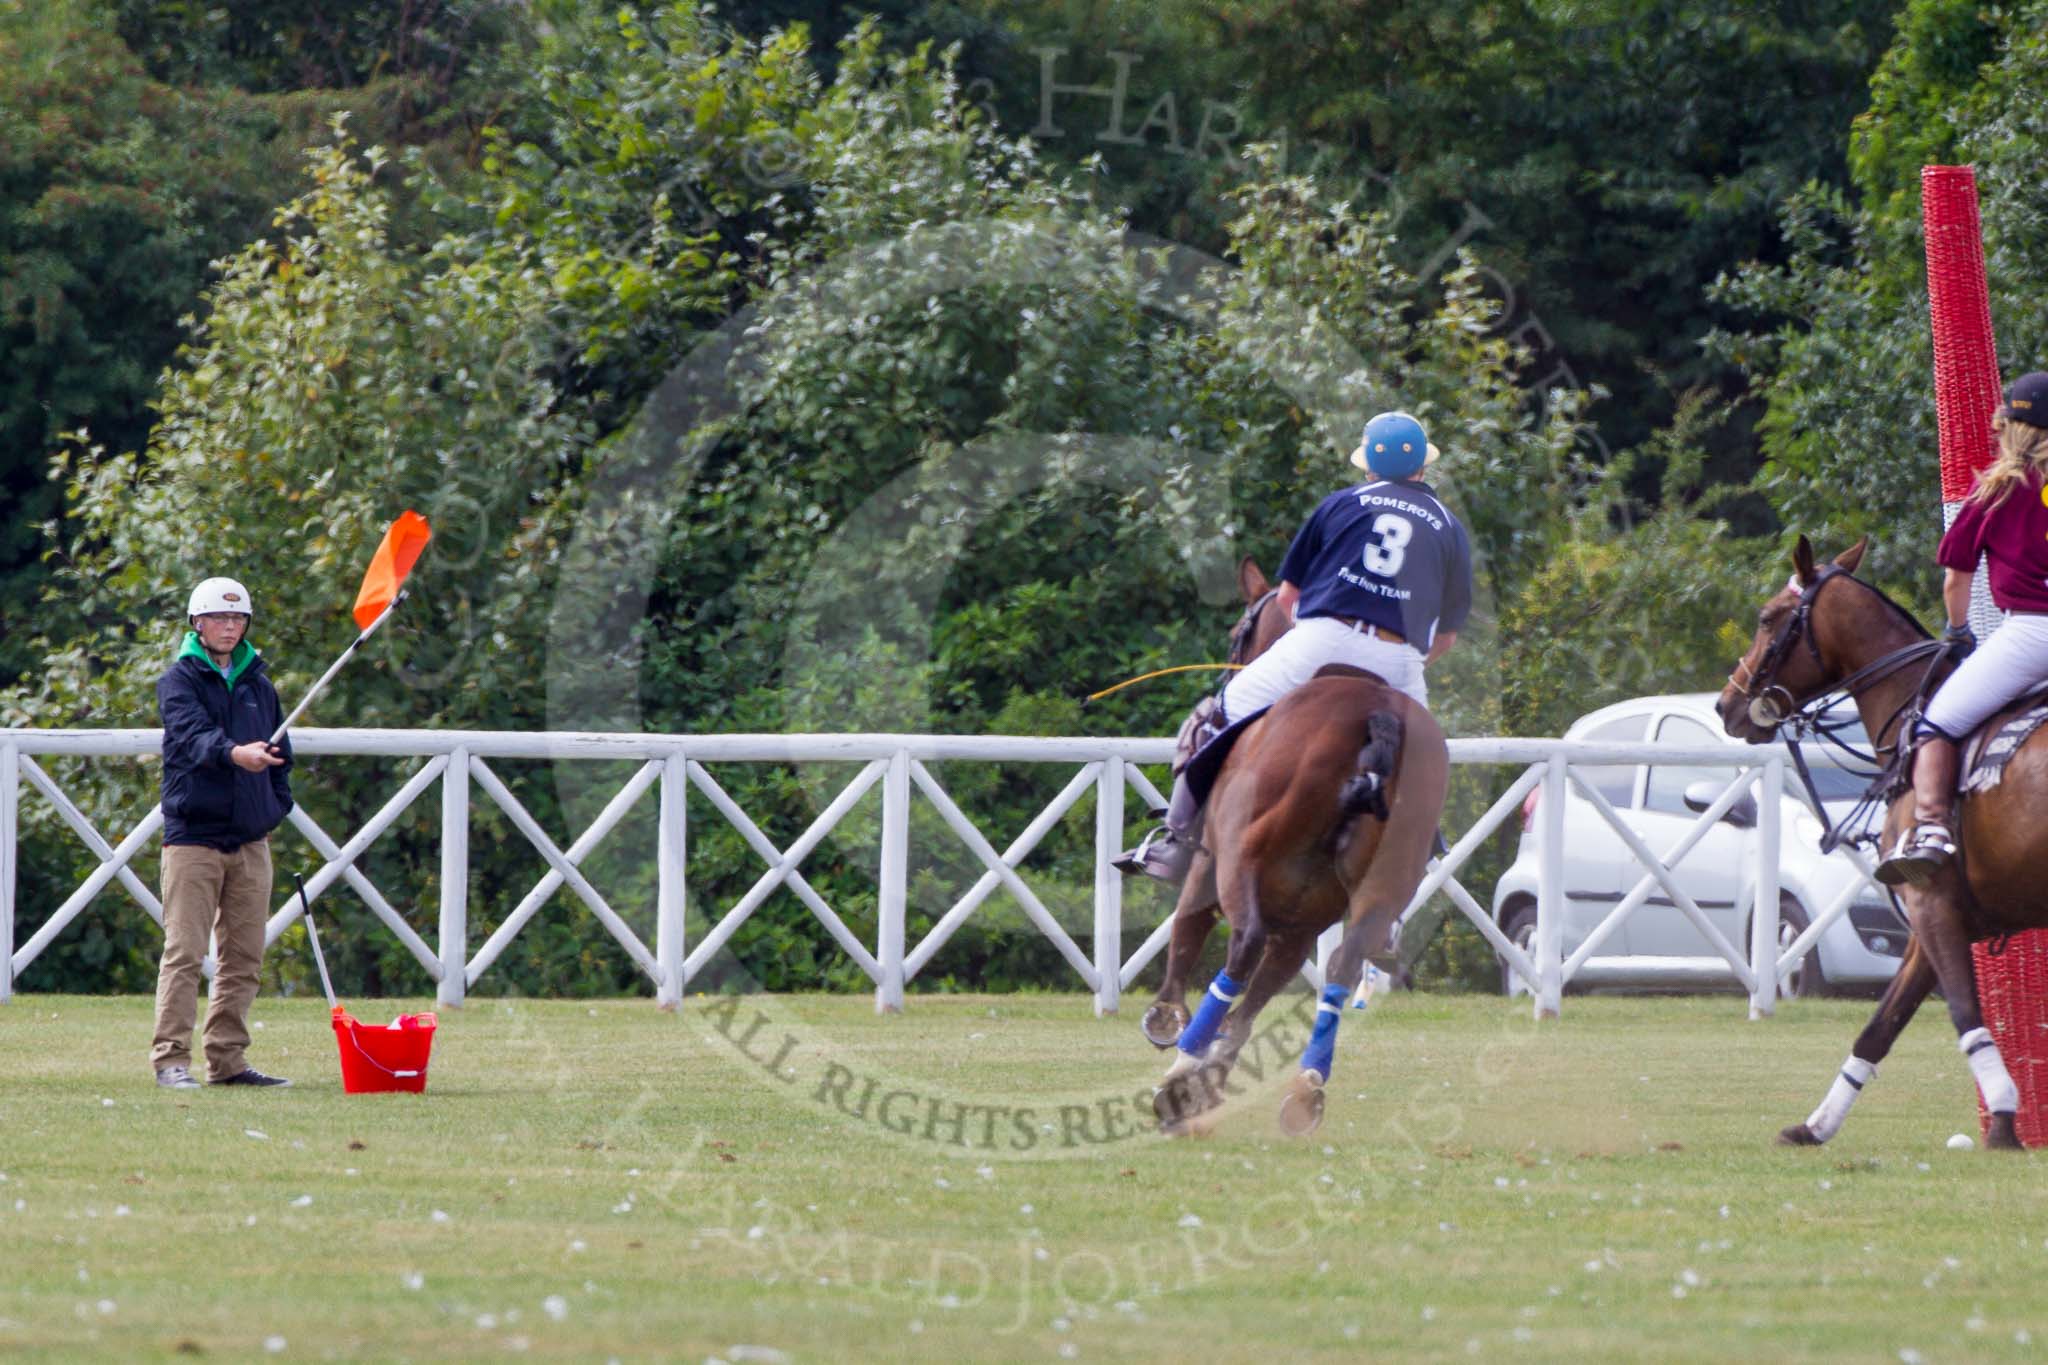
(1312, 643)
(2012, 660)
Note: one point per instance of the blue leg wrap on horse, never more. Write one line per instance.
(1201, 1030)
(1322, 1040)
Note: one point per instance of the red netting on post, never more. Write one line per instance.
(1966, 385)
(2012, 984)
(2012, 990)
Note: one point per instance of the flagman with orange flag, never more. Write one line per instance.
(225, 788)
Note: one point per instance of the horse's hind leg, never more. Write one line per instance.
(1285, 953)
(1247, 944)
(1301, 1113)
(1914, 979)
(1194, 918)
(1193, 1085)
(1937, 952)
(1937, 922)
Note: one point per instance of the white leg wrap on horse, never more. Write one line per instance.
(1826, 1121)
(2001, 1096)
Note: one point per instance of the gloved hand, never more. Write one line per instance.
(1961, 640)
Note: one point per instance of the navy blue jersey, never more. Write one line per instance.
(1387, 553)
(207, 799)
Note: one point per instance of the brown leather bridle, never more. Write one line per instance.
(1247, 626)
(1770, 702)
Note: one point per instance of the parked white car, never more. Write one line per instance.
(1859, 950)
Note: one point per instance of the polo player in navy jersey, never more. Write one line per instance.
(1379, 577)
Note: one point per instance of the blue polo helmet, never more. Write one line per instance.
(1394, 447)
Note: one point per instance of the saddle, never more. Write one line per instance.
(1994, 743)
(1201, 766)
(1203, 747)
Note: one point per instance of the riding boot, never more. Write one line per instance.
(1923, 849)
(1168, 851)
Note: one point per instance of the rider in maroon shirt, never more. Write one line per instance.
(2004, 521)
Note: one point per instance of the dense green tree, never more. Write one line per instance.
(121, 179)
(1850, 431)
(1923, 94)
(1609, 159)
(274, 46)
(114, 191)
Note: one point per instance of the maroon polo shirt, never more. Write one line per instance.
(2013, 536)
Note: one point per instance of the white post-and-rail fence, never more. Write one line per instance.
(460, 761)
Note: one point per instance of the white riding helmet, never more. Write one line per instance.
(219, 595)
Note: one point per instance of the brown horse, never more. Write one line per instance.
(1828, 630)
(1288, 851)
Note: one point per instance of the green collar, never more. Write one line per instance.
(238, 662)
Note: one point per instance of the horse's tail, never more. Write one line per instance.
(1366, 791)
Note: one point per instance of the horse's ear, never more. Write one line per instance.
(1851, 557)
(1250, 581)
(1802, 561)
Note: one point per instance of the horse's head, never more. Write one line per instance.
(1257, 628)
(1790, 659)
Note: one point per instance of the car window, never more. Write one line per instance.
(1615, 781)
(1667, 782)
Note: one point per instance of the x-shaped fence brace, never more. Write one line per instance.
(890, 965)
(340, 863)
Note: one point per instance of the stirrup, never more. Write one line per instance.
(1920, 853)
(1161, 854)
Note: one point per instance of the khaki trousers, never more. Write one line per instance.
(227, 895)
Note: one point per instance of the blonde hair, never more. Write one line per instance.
(2022, 451)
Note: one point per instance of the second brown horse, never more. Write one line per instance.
(1828, 630)
(1292, 844)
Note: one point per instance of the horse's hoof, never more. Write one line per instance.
(1799, 1136)
(1301, 1112)
(1163, 1023)
(2003, 1136)
(1185, 1096)
(1199, 1126)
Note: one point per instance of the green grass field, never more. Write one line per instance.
(584, 1181)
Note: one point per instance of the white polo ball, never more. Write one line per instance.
(1961, 1142)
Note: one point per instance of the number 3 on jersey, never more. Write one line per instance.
(1391, 533)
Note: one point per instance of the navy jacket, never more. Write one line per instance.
(207, 799)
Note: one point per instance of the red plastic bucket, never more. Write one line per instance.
(2012, 991)
(379, 1059)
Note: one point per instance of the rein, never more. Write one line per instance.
(1772, 706)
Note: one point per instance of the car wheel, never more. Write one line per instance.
(1806, 980)
(1519, 927)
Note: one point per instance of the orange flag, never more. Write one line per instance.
(394, 559)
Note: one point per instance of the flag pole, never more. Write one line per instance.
(335, 667)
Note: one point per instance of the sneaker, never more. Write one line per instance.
(176, 1078)
(1162, 855)
(1919, 854)
(249, 1075)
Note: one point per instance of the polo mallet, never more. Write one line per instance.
(313, 935)
(383, 589)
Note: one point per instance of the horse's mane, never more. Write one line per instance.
(1908, 617)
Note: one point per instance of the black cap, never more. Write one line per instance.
(2026, 399)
